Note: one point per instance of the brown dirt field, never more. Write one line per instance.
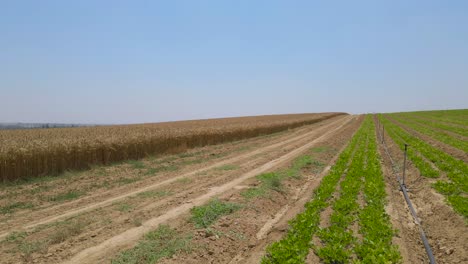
(446, 230)
(105, 211)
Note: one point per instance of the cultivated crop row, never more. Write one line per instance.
(456, 129)
(30, 153)
(440, 136)
(422, 154)
(358, 168)
(459, 117)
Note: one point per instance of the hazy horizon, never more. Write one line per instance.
(112, 62)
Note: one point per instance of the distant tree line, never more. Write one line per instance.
(4, 126)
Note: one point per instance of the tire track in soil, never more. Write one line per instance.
(25, 216)
(97, 205)
(275, 229)
(98, 253)
(150, 209)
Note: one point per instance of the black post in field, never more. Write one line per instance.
(404, 163)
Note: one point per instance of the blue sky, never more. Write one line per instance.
(148, 61)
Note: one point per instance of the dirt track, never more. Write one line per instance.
(112, 230)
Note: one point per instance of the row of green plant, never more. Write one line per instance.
(338, 239)
(374, 224)
(459, 117)
(423, 166)
(294, 247)
(339, 244)
(455, 188)
(437, 123)
(438, 135)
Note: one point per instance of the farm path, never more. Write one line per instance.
(103, 214)
(285, 151)
(28, 220)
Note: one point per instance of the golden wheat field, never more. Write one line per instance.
(31, 153)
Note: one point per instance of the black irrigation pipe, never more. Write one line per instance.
(403, 188)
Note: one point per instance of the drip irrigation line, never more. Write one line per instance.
(403, 188)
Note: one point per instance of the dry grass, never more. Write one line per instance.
(39, 152)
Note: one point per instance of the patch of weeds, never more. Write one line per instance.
(40, 189)
(272, 180)
(70, 195)
(244, 148)
(125, 180)
(253, 192)
(203, 216)
(320, 149)
(101, 171)
(151, 194)
(10, 208)
(228, 167)
(301, 163)
(152, 171)
(269, 181)
(213, 232)
(123, 207)
(16, 236)
(70, 174)
(107, 221)
(71, 229)
(164, 242)
(136, 164)
(318, 163)
(168, 159)
(105, 184)
(184, 180)
(236, 234)
(170, 168)
(137, 222)
(30, 180)
(188, 154)
(28, 248)
(195, 161)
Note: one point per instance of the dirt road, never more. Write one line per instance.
(114, 219)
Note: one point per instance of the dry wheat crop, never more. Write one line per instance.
(38, 152)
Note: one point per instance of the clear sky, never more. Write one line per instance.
(147, 61)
